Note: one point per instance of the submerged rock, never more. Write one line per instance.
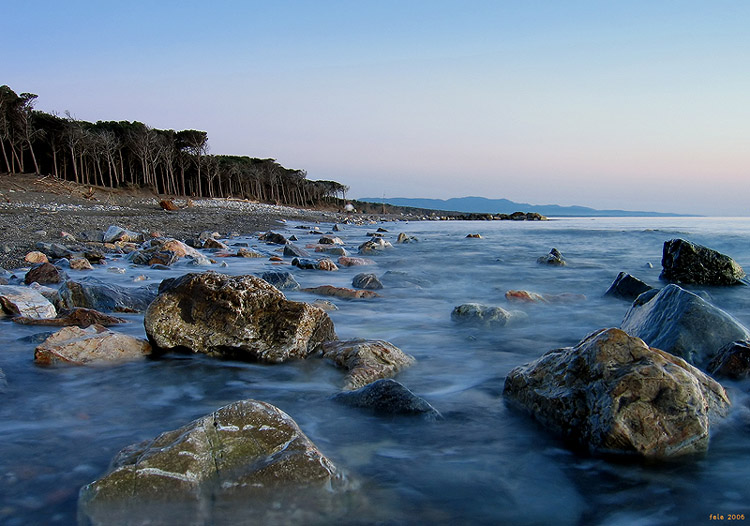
(78, 316)
(554, 258)
(686, 262)
(401, 279)
(682, 323)
(293, 251)
(613, 394)
(91, 293)
(732, 361)
(76, 346)
(241, 317)
(248, 452)
(273, 238)
(485, 315)
(342, 292)
(282, 280)
(366, 281)
(627, 287)
(387, 396)
(366, 360)
(348, 261)
(26, 302)
(403, 238)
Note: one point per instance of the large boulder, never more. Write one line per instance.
(234, 316)
(627, 287)
(686, 262)
(94, 294)
(613, 394)
(26, 302)
(366, 360)
(249, 453)
(76, 346)
(387, 396)
(682, 323)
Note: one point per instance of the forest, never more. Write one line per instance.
(120, 154)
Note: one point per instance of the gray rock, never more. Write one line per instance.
(24, 301)
(366, 281)
(554, 258)
(96, 236)
(248, 454)
(293, 251)
(366, 360)
(627, 287)
(374, 246)
(281, 280)
(403, 238)
(686, 262)
(387, 396)
(613, 394)
(115, 233)
(484, 315)
(401, 279)
(242, 317)
(732, 361)
(681, 323)
(273, 238)
(91, 293)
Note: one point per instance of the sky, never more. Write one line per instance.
(638, 105)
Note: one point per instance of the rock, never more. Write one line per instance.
(381, 229)
(554, 258)
(76, 346)
(627, 287)
(214, 244)
(348, 261)
(336, 228)
(403, 238)
(332, 249)
(387, 396)
(325, 305)
(199, 261)
(686, 262)
(400, 279)
(96, 236)
(732, 361)
(44, 274)
(374, 246)
(78, 316)
(484, 315)
(281, 280)
(240, 317)
(55, 250)
(91, 293)
(178, 247)
(80, 264)
(169, 205)
(26, 302)
(245, 253)
(473, 236)
(613, 394)
(248, 453)
(682, 323)
(525, 296)
(273, 238)
(327, 264)
(158, 257)
(341, 292)
(366, 281)
(293, 251)
(330, 240)
(366, 360)
(116, 233)
(36, 257)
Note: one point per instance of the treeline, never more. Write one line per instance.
(117, 154)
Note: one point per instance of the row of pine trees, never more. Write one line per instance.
(120, 154)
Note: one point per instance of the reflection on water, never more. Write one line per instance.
(482, 464)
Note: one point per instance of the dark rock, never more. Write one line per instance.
(473, 236)
(94, 344)
(366, 281)
(54, 250)
(686, 262)
(732, 361)
(374, 246)
(273, 238)
(401, 279)
(247, 253)
(403, 238)
(281, 280)
(214, 244)
(91, 293)
(381, 229)
(681, 323)
(554, 258)
(44, 274)
(627, 287)
(241, 317)
(387, 396)
(366, 360)
(293, 251)
(96, 236)
(78, 316)
(328, 240)
(613, 394)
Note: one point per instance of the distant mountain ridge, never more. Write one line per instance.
(483, 205)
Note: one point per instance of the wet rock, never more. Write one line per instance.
(241, 317)
(44, 274)
(403, 238)
(327, 264)
(732, 361)
(55, 250)
(374, 246)
(293, 251)
(199, 261)
(326, 305)
(273, 238)
(366, 281)
(96, 236)
(311, 264)
(348, 261)
(24, 301)
(36, 256)
(214, 244)
(387, 396)
(627, 287)
(366, 360)
(246, 253)
(525, 296)
(77, 346)
(248, 453)
(682, 323)
(686, 262)
(484, 315)
(282, 280)
(116, 233)
(80, 264)
(78, 317)
(174, 245)
(382, 230)
(330, 240)
(401, 279)
(91, 293)
(613, 394)
(473, 236)
(341, 292)
(554, 258)
(332, 249)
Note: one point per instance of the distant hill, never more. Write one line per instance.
(482, 205)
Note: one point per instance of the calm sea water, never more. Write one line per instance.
(483, 463)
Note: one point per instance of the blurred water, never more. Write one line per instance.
(483, 463)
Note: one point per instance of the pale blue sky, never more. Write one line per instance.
(635, 105)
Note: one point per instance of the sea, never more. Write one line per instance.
(483, 462)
